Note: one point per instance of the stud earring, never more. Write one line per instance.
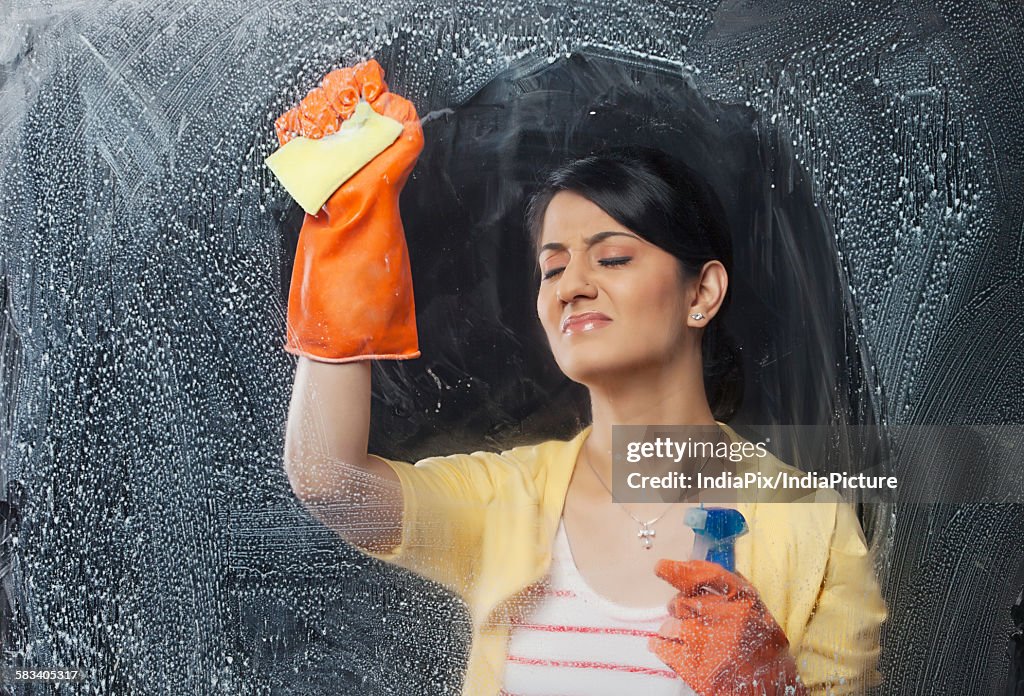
(698, 316)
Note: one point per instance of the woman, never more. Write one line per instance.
(634, 264)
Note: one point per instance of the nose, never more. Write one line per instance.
(574, 282)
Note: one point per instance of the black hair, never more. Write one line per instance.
(674, 208)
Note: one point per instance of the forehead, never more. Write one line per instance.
(570, 217)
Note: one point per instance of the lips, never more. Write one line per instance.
(586, 321)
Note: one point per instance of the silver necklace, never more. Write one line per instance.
(646, 533)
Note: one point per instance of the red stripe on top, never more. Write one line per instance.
(586, 629)
(588, 664)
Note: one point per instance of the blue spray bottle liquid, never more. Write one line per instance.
(715, 532)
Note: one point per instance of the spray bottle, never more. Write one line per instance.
(715, 532)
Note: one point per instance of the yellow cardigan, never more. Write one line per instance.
(482, 525)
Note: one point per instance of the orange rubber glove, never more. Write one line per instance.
(720, 638)
(351, 291)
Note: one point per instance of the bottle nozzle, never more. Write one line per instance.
(715, 531)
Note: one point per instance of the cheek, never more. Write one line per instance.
(656, 300)
(641, 296)
(544, 306)
(665, 284)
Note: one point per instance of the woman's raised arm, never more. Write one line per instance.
(326, 459)
(347, 150)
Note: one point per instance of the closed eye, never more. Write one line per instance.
(612, 261)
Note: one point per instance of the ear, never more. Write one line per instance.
(711, 285)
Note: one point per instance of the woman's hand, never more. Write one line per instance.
(719, 636)
(323, 110)
(351, 295)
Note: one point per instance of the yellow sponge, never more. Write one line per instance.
(311, 169)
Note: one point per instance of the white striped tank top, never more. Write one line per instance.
(574, 642)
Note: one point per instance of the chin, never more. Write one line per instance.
(591, 369)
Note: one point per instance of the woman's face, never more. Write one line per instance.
(610, 302)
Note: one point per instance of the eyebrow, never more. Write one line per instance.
(589, 241)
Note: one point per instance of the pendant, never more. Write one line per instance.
(645, 535)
